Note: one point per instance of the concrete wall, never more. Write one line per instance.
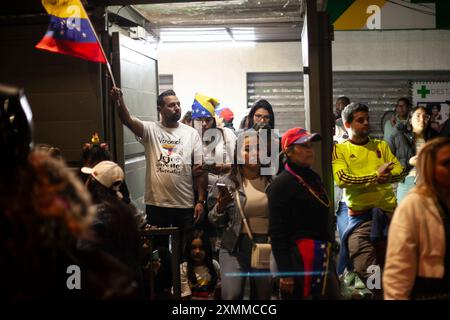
(221, 72)
(391, 50)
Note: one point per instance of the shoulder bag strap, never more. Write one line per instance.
(224, 146)
(247, 228)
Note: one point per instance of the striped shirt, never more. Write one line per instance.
(355, 169)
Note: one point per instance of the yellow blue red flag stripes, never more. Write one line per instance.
(70, 31)
(204, 106)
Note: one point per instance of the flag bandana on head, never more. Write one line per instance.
(204, 106)
(70, 31)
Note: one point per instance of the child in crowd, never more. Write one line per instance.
(200, 276)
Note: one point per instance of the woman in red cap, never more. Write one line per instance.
(299, 220)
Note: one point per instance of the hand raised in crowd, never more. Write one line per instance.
(287, 285)
(384, 172)
(225, 198)
(116, 94)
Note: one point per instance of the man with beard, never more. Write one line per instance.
(173, 150)
(365, 168)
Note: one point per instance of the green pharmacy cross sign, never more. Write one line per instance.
(423, 92)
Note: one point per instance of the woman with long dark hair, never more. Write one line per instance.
(242, 193)
(405, 143)
(200, 272)
(261, 113)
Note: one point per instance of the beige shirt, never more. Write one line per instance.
(256, 208)
(416, 245)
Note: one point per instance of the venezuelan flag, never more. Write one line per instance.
(204, 106)
(70, 31)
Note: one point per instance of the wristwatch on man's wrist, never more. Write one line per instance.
(202, 202)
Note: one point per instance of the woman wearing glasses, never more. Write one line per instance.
(261, 116)
(406, 142)
(261, 113)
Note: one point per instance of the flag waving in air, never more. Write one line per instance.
(70, 31)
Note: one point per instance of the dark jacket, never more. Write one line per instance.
(402, 145)
(445, 130)
(295, 214)
(118, 235)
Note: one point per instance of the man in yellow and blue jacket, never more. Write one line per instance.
(365, 168)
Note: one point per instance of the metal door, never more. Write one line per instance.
(136, 72)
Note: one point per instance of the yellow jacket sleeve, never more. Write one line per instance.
(343, 176)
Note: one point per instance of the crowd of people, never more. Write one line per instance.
(209, 180)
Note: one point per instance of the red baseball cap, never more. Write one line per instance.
(226, 114)
(298, 136)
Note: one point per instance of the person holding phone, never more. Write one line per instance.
(217, 145)
(244, 187)
(365, 168)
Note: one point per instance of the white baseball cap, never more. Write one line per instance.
(108, 173)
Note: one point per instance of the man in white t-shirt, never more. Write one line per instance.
(173, 151)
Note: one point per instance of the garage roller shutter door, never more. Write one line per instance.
(379, 89)
(284, 91)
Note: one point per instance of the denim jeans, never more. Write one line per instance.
(404, 187)
(342, 218)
